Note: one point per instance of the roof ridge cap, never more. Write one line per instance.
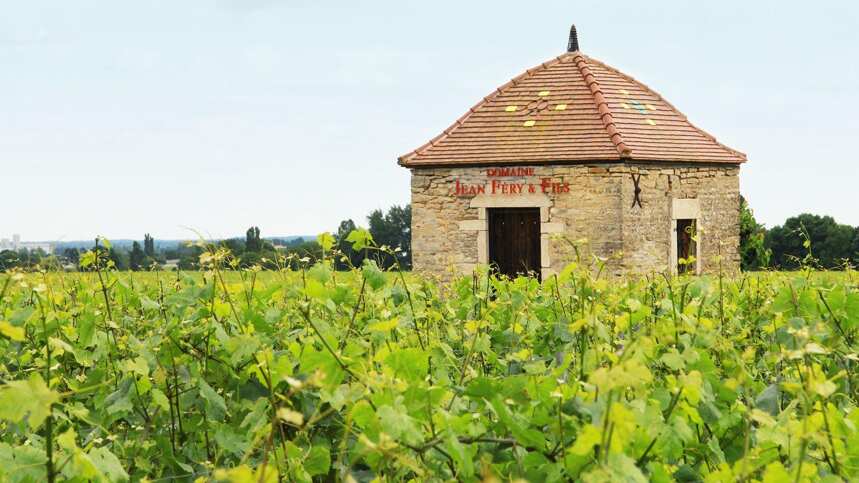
(404, 159)
(659, 96)
(602, 105)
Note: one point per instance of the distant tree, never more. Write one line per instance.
(50, 263)
(148, 246)
(754, 253)
(150, 263)
(189, 257)
(136, 257)
(235, 246)
(249, 259)
(829, 243)
(296, 242)
(353, 258)
(9, 259)
(25, 259)
(854, 249)
(120, 259)
(393, 229)
(71, 255)
(252, 240)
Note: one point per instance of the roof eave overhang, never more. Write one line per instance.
(555, 162)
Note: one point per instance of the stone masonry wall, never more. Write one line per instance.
(647, 230)
(596, 213)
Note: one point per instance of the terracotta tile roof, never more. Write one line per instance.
(572, 108)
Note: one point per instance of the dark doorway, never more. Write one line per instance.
(514, 241)
(686, 247)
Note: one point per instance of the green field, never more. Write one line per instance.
(370, 376)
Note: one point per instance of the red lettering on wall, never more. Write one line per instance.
(498, 186)
(461, 189)
(509, 172)
(549, 186)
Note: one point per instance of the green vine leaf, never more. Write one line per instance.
(31, 398)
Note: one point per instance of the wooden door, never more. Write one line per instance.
(514, 241)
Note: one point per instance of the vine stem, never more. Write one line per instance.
(671, 406)
(49, 425)
(835, 318)
(607, 428)
(836, 465)
(409, 297)
(802, 449)
(354, 312)
(5, 287)
(305, 313)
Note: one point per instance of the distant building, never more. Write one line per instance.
(16, 244)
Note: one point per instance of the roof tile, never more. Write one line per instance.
(572, 108)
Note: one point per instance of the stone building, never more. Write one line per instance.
(570, 153)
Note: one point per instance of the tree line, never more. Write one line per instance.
(391, 228)
(803, 240)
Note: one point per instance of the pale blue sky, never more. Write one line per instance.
(124, 117)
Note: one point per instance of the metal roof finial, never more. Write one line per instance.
(573, 44)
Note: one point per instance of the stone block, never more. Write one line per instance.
(545, 258)
(473, 225)
(553, 227)
(482, 247)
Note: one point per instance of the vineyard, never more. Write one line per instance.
(365, 375)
